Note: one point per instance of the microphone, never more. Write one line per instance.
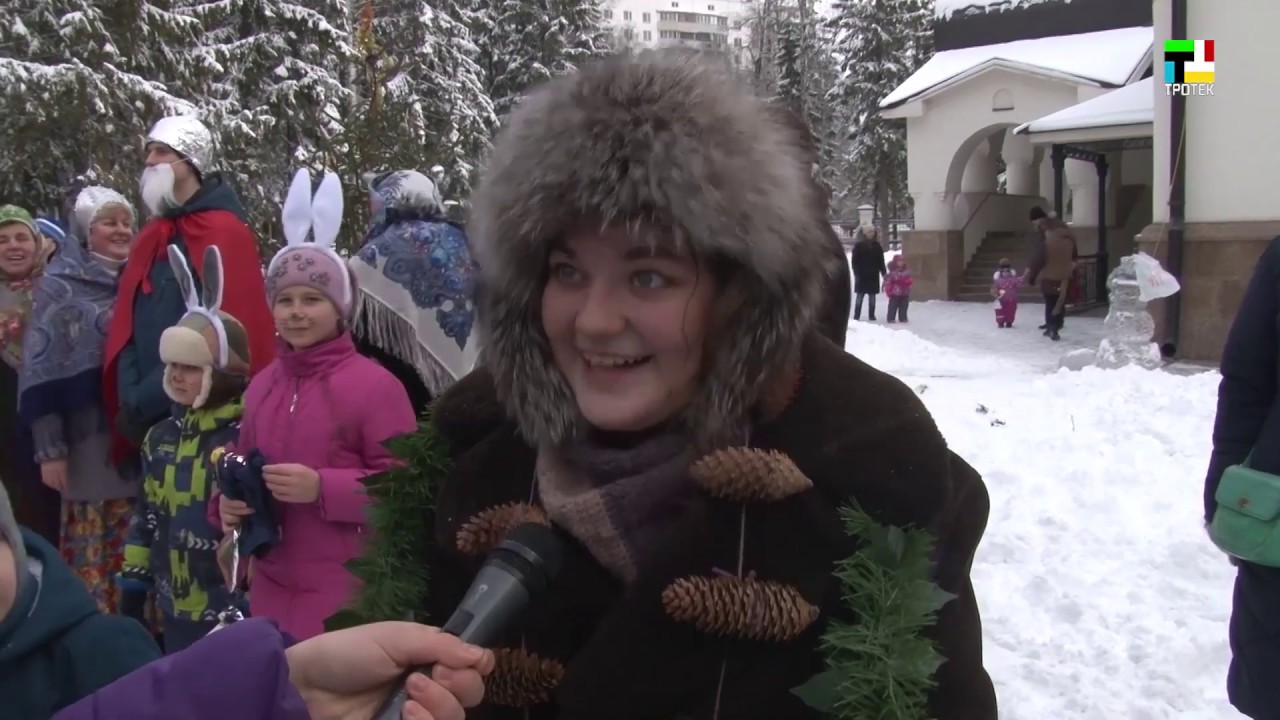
(515, 572)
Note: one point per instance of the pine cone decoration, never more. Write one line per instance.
(487, 528)
(742, 474)
(521, 679)
(739, 607)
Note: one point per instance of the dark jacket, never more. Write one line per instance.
(1248, 419)
(624, 659)
(140, 368)
(171, 545)
(55, 646)
(867, 261)
(833, 316)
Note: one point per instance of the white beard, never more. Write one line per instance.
(156, 188)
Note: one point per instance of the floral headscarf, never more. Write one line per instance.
(15, 292)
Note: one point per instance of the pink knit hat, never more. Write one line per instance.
(314, 267)
(313, 264)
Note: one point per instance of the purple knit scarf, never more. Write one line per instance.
(618, 502)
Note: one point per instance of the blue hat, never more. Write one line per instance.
(51, 229)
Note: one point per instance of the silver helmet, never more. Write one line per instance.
(186, 135)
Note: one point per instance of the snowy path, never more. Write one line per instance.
(1101, 598)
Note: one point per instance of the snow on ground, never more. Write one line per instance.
(1100, 595)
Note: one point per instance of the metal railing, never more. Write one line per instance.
(1088, 290)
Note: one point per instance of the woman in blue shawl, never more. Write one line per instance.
(60, 390)
(415, 311)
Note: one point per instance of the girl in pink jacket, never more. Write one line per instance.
(319, 413)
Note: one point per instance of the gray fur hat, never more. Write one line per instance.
(673, 140)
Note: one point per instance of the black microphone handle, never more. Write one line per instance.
(393, 707)
(492, 601)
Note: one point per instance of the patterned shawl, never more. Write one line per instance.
(62, 361)
(416, 281)
(15, 293)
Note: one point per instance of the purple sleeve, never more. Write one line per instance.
(342, 493)
(239, 672)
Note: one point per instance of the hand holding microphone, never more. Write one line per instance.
(514, 573)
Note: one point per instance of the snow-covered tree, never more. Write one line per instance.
(880, 43)
(806, 72)
(524, 42)
(281, 94)
(80, 82)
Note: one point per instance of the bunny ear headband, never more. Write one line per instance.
(209, 301)
(321, 215)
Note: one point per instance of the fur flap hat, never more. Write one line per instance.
(206, 337)
(672, 140)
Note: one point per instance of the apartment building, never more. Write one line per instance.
(703, 24)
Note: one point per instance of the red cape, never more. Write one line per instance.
(244, 296)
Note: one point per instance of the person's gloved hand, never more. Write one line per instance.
(349, 673)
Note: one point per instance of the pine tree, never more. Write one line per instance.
(880, 44)
(281, 95)
(524, 42)
(80, 81)
(806, 72)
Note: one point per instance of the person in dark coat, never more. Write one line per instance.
(55, 645)
(1248, 420)
(868, 267)
(629, 363)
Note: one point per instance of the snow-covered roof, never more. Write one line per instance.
(1130, 105)
(1108, 58)
(945, 8)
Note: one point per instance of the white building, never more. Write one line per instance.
(1065, 105)
(701, 24)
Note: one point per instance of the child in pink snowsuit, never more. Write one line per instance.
(1004, 289)
(897, 286)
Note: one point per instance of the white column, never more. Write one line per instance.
(1082, 178)
(980, 171)
(1020, 175)
(933, 210)
(1046, 178)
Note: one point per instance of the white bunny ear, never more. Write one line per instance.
(182, 272)
(212, 285)
(297, 209)
(326, 211)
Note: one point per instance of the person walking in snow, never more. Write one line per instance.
(1004, 288)
(867, 260)
(1052, 266)
(1248, 426)
(897, 285)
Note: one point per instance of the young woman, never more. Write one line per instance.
(655, 389)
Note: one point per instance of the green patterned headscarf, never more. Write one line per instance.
(15, 293)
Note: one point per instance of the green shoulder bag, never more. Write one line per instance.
(1246, 524)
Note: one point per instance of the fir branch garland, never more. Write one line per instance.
(401, 512)
(880, 667)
